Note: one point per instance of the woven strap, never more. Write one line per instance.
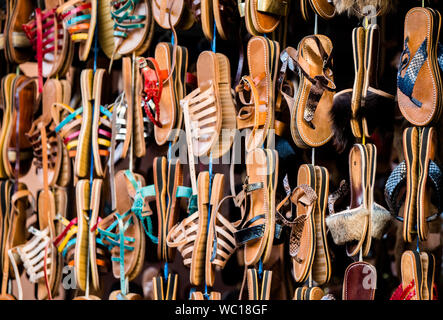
(407, 82)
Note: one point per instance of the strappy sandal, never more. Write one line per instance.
(221, 242)
(23, 95)
(310, 119)
(260, 83)
(356, 285)
(101, 126)
(44, 127)
(190, 235)
(50, 41)
(75, 127)
(133, 26)
(79, 18)
(35, 256)
(17, 44)
(418, 80)
(254, 291)
(122, 231)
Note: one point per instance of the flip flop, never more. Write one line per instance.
(310, 119)
(324, 8)
(418, 80)
(168, 13)
(81, 246)
(300, 293)
(265, 16)
(360, 281)
(207, 18)
(314, 293)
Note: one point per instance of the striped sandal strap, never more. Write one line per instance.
(76, 17)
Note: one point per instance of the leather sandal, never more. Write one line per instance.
(321, 266)
(264, 16)
(101, 126)
(171, 287)
(17, 44)
(255, 291)
(44, 126)
(221, 242)
(426, 153)
(310, 119)
(302, 241)
(50, 41)
(75, 128)
(6, 89)
(226, 17)
(204, 105)
(418, 80)
(190, 235)
(79, 18)
(258, 112)
(359, 281)
(23, 95)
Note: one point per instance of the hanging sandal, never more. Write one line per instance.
(310, 119)
(190, 235)
(254, 291)
(79, 18)
(171, 287)
(418, 80)
(359, 281)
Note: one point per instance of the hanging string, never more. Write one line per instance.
(316, 24)
(214, 37)
(260, 268)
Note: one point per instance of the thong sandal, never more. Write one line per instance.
(190, 235)
(412, 273)
(79, 18)
(360, 281)
(418, 80)
(264, 17)
(50, 41)
(310, 119)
